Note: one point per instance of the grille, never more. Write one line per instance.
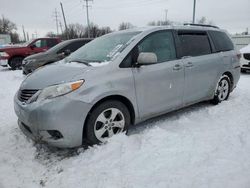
(25, 95)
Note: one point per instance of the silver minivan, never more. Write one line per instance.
(123, 78)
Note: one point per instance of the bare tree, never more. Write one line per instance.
(203, 20)
(76, 31)
(80, 31)
(125, 25)
(159, 23)
(14, 37)
(95, 31)
(8, 27)
(51, 34)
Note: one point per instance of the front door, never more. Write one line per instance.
(39, 45)
(159, 87)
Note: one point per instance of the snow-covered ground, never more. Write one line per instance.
(200, 146)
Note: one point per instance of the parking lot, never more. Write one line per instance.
(200, 146)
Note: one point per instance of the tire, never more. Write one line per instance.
(107, 119)
(222, 91)
(16, 63)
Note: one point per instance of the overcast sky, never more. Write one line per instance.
(37, 15)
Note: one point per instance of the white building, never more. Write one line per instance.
(241, 40)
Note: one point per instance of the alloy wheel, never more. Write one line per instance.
(109, 122)
(223, 89)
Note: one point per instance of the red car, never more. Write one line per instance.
(14, 55)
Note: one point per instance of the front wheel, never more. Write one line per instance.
(222, 90)
(16, 63)
(107, 119)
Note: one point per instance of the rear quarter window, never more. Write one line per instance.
(51, 42)
(221, 41)
(194, 44)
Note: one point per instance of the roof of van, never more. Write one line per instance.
(176, 27)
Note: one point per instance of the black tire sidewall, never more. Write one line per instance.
(89, 134)
(16, 63)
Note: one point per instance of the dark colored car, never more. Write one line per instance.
(54, 54)
(13, 55)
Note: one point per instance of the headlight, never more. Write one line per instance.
(59, 90)
(4, 54)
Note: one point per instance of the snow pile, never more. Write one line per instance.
(200, 146)
(99, 64)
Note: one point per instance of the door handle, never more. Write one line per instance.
(189, 64)
(177, 67)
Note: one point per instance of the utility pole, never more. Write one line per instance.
(194, 11)
(24, 36)
(87, 8)
(64, 19)
(166, 16)
(28, 38)
(60, 24)
(56, 15)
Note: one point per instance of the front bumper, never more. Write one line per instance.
(245, 67)
(61, 114)
(245, 64)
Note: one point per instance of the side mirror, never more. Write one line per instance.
(67, 52)
(32, 46)
(146, 58)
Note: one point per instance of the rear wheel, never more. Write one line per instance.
(222, 90)
(107, 119)
(16, 63)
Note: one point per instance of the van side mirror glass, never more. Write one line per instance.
(147, 58)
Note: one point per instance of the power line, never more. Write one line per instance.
(123, 5)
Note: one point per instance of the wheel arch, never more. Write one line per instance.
(119, 98)
(230, 75)
(12, 57)
(49, 62)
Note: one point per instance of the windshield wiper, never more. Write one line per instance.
(78, 61)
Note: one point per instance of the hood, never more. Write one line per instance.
(56, 73)
(40, 55)
(245, 50)
(12, 47)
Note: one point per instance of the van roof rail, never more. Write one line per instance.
(201, 25)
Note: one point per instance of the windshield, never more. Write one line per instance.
(58, 47)
(27, 43)
(103, 48)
